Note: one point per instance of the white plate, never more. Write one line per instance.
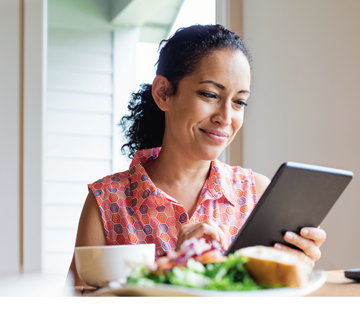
(316, 280)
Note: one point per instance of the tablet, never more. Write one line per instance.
(299, 195)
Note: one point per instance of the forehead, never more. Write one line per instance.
(225, 67)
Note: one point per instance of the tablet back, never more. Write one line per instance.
(298, 196)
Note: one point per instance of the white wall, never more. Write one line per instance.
(87, 94)
(124, 83)
(229, 13)
(21, 122)
(78, 132)
(304, 105)
(35, 20)
(10, 79)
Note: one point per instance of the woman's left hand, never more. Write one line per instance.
(309, 241)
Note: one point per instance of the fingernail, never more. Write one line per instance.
(278, 246)
(305, 232)
(289, 236)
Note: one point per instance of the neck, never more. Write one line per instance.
(175, 169)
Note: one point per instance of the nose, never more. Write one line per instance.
(223, 114)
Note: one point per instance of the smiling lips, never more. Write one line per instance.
(216, 135)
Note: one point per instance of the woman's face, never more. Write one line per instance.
(208, 108)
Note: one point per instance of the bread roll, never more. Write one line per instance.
(273, 267)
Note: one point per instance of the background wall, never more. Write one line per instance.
(78, 132)
(22, 60)
(304, 103)
(10, 134)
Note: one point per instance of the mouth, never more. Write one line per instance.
(216, 135)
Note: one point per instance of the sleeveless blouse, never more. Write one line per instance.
(135, 211)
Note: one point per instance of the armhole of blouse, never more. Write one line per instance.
(92, 190)
(253, 184)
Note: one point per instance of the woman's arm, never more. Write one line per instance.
(261, 183)
(90, 232)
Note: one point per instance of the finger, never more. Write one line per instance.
(316, 234)
(301, 256)
(204, 230)
(221, 231)
(225, 229)
(198, 230)
(306, 245)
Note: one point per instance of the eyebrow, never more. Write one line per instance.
(223, 87)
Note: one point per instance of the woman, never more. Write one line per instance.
(193, 110)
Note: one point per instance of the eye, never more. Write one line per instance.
(207, 95)
(240, 103)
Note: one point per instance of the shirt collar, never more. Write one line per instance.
(141, 184)
(217, 185)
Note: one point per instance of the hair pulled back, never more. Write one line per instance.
(179, 56)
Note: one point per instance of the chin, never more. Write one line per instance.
(210, 154)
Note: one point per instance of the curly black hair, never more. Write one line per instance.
(179, 56)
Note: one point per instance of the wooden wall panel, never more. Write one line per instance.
(72, 101)
(59, 240)
(77, 60)
(77, 170)
(79, 123)
(72, 40)
(79, 133)
(79, 147)
(55, 262)
(65, 193)
(80, 82)
(62, 216)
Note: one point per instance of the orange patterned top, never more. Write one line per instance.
(135, 211)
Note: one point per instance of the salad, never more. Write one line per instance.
(196, 265)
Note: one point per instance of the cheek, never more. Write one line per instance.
(238, 121)
(198, 113)
(203, 111)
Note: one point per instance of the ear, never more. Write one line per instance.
(160, 87)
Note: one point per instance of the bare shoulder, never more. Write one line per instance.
(261, 183)
(90, 233)
(90, 230)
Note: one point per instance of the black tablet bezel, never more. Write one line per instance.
(255, 232)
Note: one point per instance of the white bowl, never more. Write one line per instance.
(99, 265)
